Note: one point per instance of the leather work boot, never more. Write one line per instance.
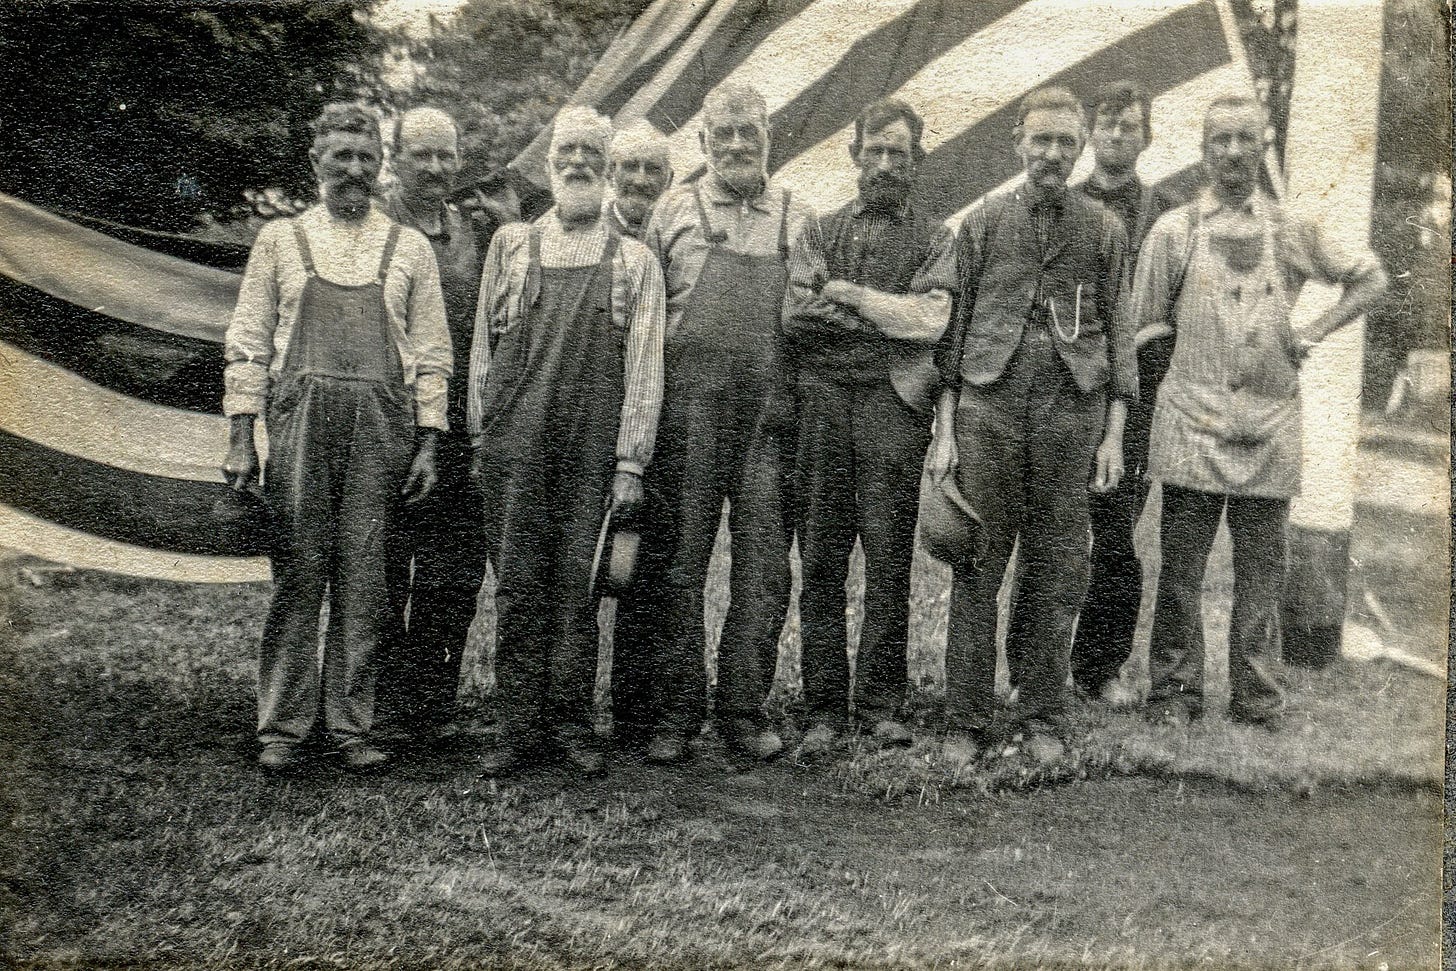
(750, 739)
(819, 743)
(278, 757)
(499, 760)
(889, 732)
(582, 752)
(667, 749)
(363, 757)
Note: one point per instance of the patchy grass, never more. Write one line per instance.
(138, 833)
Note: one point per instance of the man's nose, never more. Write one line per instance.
(355, 167)
(433, 164)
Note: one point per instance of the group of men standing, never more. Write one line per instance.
(680, 355)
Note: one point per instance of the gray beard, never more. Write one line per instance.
(577, 202)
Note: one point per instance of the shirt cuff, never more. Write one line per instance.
(430, 400)
(628, 465)
(243, 403)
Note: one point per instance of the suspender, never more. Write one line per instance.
(531, 289)
(715, 237)
(305, 253)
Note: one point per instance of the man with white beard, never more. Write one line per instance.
(564, 390)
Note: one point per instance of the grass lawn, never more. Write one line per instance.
(138, 832)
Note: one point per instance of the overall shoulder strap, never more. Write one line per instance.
(708, 232)
(784, 227)
(1144, 219)
(304, 252)
(1195, 221)
(531, 286)
(390, 242)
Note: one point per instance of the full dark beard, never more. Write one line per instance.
(883, 193)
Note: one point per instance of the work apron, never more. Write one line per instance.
(1228, 413)
(726, 431)
(340, 436)
(553, 402)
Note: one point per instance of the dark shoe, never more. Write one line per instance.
(889, 732)
(667, 749)
(499, 760)
(363, 757)
(279, 757)
(1269, 719)
(582, 753)
(749, 739)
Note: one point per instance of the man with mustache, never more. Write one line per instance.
(640, 170)
(1039, 374)
(339, 334)
(564, 391)
(1222, 273)
(869, 295)
(727, 424)
(440, 556)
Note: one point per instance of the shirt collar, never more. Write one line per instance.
(720, 195)
(1210, 204)
(858, 211)
(394, 208)
(1053, 203)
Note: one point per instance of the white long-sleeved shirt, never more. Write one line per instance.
(348, 254)
(638, 305)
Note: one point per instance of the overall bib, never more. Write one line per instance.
(341, 435)
(441, 551)
(1226, 434)
(725, 430)
(553, 401)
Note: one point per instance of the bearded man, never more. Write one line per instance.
(869, 294)
(728, 424)
(565, 387)
(640, 169)
(339, 335)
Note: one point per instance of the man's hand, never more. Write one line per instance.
(841, 292)
(944, 456)
(240, 468)
(422, 478)
(1109, 465)
(626, 492)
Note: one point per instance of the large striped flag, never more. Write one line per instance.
(111, 433)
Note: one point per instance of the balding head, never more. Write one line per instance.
(426, 155)
(640, 170)
(738, 99)
(580, 125)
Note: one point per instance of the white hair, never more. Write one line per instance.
(581, 120)
(641, 140)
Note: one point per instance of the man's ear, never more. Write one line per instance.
(703, 141)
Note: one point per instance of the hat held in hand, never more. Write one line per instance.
(615, 561)
(950, 527)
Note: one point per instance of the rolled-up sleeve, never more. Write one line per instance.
(805, 311)
(1113, 296)
(646, 311)
(1150, 300)
(430, 340)
(248, 344)
(938, 270)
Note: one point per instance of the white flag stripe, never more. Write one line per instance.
(56, 408)
(1177, 130)
(794, 57)
(976, 78)
(24, 533)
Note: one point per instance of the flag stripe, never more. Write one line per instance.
(24, 533)
(146, 364)
(106, 275)
(143, 510)
(968, 128)
(53, 407)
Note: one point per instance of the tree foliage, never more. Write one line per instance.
(151, 114)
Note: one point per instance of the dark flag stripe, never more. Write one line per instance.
(169, 514)
(1159, 57)
(878, 64)
(156, 367)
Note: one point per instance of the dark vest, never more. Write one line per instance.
(876, 252)
(1016, 271)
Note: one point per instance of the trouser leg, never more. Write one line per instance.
(759, 522)
(1257, 526)
(1114, 595)
(370, 474)
(576, 639)
(524, 519)
(989, 473)
(1175, 658)
(1064, 426)
(824, 500)
(641, 637)
(298, 491)
(890, 442)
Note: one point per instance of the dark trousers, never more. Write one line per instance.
(1025, 444)
(1190, 522)
(861, 451)
(547, 514)
(641, 636)
(437, 565)
(338, 452)
(711, 449)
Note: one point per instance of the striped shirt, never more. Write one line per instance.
(348, 254)
(748, 226)
(637, 306)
